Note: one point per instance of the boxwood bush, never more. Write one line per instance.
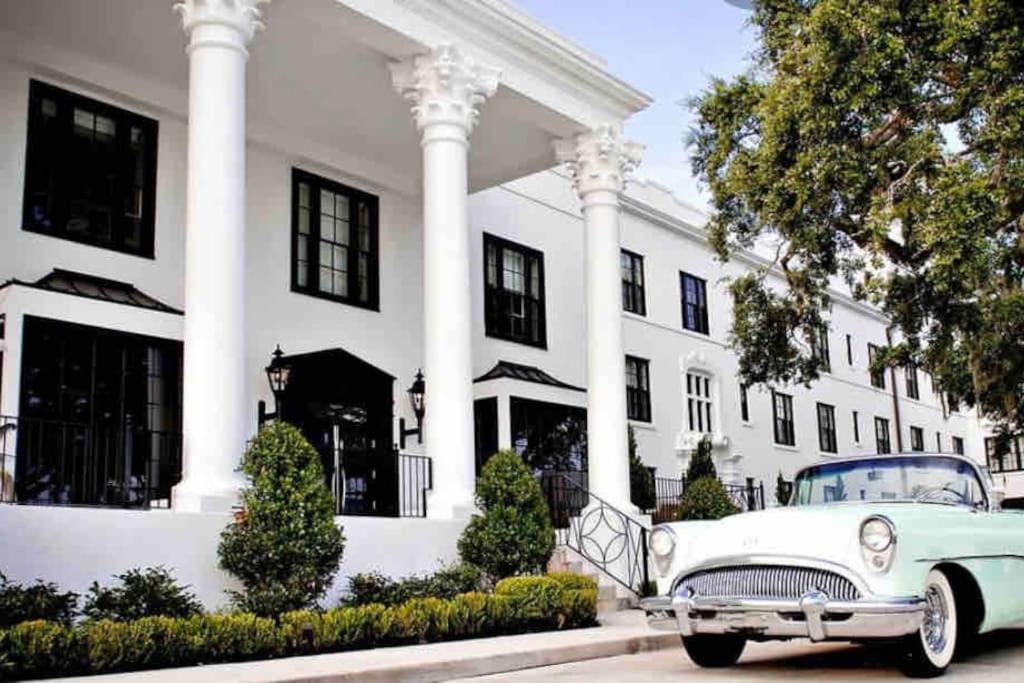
(36, 649)
(138, 593)
(705, 499)
(446, 582)
(38, 601)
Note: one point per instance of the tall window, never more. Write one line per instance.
(913, 390)
(334, 241)
(938, 442)
(695, 303)
(877, 377)
(514, 292)
(744, 404)
(882, 435)
(916, 439)
(849, 349)
(638, 389)
(856, 427)
(698, 402)
(827, 428)
(1004, 454)
(820, 349)
(958, 445)
(632, 266)
(90, 171)
(782, 410)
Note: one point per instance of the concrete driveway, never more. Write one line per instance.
(999, 659)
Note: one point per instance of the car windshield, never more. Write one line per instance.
(922, 478)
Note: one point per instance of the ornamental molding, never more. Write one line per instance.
(445, 87)
(243, 17)
(599, 160)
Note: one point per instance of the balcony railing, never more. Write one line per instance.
(389, 484)
(747, 497)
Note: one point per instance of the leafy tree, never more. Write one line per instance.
(139, 593)
(642, 491)
(783, 489)
(701, 465)
(880, 142)
(705, 499)
(284, 545)
(514, 534)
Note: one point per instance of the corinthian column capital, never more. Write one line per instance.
(224, 23)
(445, 87)
(600, 159)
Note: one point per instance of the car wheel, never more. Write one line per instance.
(712, 652)
(929, 651)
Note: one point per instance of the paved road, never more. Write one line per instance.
(1000, 659)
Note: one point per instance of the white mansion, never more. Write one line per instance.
(374, 187)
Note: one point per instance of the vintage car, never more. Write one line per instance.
(911, 548)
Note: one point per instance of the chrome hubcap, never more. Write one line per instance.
(936, 616)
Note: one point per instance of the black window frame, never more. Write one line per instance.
(877, 378)
(698, 396)
(638, 398)
(744, 403)
(783, 426)
(856, 427)
(820, 349)
(1004, 453)
(633, 294)
(913, 386)
(916, 439)
(494, 293)
(849, 350)
(318, 183)
(827, 441)
(883, 437)
(699, 308)
(938, 442)
(59, 176)
(957, 444)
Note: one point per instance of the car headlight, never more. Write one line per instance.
(876, 534)
(662, 544)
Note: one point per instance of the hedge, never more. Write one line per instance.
(36, 649)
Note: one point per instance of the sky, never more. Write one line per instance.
(668, 49)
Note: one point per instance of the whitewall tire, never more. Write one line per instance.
(929, 652)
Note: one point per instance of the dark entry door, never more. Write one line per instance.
(343, 405)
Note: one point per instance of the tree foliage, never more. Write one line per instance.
(705, 499)
(880, 142)
(702, 464)
(642, 490)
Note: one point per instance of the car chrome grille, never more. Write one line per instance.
(768, 581)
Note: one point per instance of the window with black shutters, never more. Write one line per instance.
(820, 349)
(514, 292)
(638, 389)
(694, 293)
(90, 171)
(916, 439)
(827, 428)
(913, 389)
(877, 377)
(335, 247)
(958, 445)
(698, 402)
(882, 442)
(782, 409)
(632, 266)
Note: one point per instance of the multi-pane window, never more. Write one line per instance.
(958, 445)
(698, 402)
(916, 439)
(877, 377)
(638, 389)
(820, 349)
(1004, 454)
(882, 435)
(334, 241)
(90, 171)
(913, 390)
(782, 410)
(694, 292)
(827, 428)
(849, 349)
(514, 292)
(953, 403)
(744, 404)
(856, 427)
(632, 266)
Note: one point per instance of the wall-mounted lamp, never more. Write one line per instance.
(417, 399)
(278, 375)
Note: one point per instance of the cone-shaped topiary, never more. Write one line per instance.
(705, 499)
(514, 535)
(701, 463)
(283, 545)
(642, 492)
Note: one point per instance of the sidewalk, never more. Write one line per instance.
(620, 633)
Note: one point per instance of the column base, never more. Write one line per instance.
(222, 497)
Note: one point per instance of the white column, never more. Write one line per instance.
(445, 89)
(216, 420)
(599, 161)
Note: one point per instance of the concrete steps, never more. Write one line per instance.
(611, 595)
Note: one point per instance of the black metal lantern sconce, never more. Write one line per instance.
(278, 375)
(417, 399)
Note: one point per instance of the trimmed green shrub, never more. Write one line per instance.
(284, 545)
(642, 492)
(151, 592)
(705, 499)
(44, 601)
(514, 535)
(538, 599)
(580, 607)
(570, 581)
(447, 582)
(702, 464)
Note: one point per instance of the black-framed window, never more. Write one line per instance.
(882, 442)
(744, 404)
(514, 292)
(335, 241)
(638, 389)
(632, 266)
(938, 442)
(698, 402)
(877, 377)
(694, 294)
(849, 349)
(958, 444)
(953, 403)
(827, 428)
(549, 437)
(90, 171)
(782, 411)
(856, 427)
(916, 439)
(913, 388)
(820, 349)
(1004, 453)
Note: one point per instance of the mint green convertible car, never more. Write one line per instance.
(906, 548)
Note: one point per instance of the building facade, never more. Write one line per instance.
(375, 187)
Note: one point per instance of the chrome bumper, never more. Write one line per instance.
(812, 616)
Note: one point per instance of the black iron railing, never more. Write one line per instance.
(747, 497)
(605, 536)
(390, 484)
(57, 462)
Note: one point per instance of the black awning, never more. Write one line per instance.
(102, 289)
(526, 373)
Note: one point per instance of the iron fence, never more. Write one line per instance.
(668, 492)
(375, 484)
